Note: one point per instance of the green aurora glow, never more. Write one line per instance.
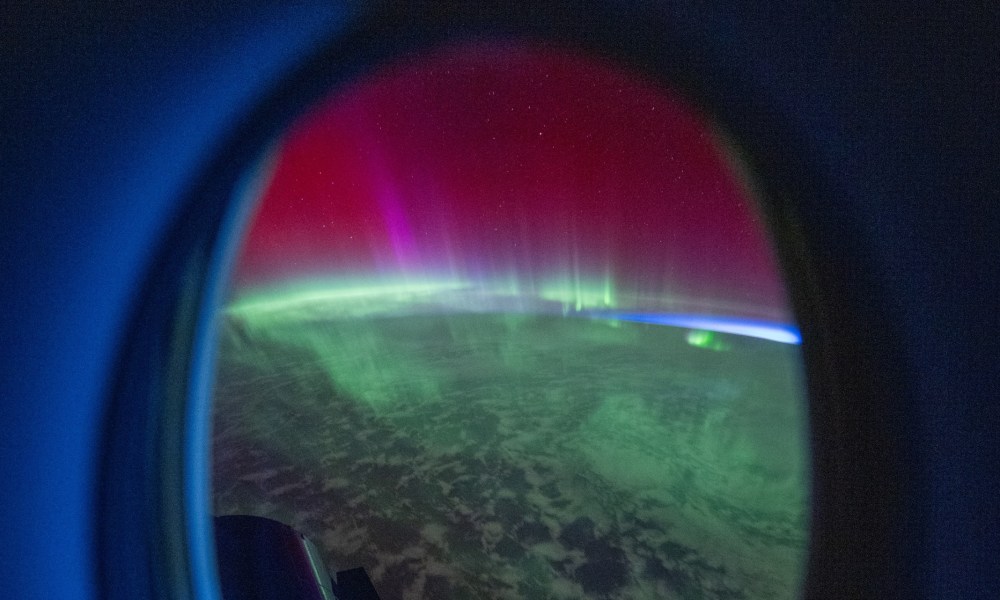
(683, 438)
(363, 296)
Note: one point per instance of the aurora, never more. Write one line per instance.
(507, 177)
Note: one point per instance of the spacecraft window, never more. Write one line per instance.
(506, 322)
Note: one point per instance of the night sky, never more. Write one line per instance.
(530, 170)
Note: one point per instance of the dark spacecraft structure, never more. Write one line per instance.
(128, 133)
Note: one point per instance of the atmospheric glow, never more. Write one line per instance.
(342, 294)
(407, 298)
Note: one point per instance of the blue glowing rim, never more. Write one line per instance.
(765, 330)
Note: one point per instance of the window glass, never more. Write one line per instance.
(507, 324)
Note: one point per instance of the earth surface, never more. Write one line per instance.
(517, 455)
